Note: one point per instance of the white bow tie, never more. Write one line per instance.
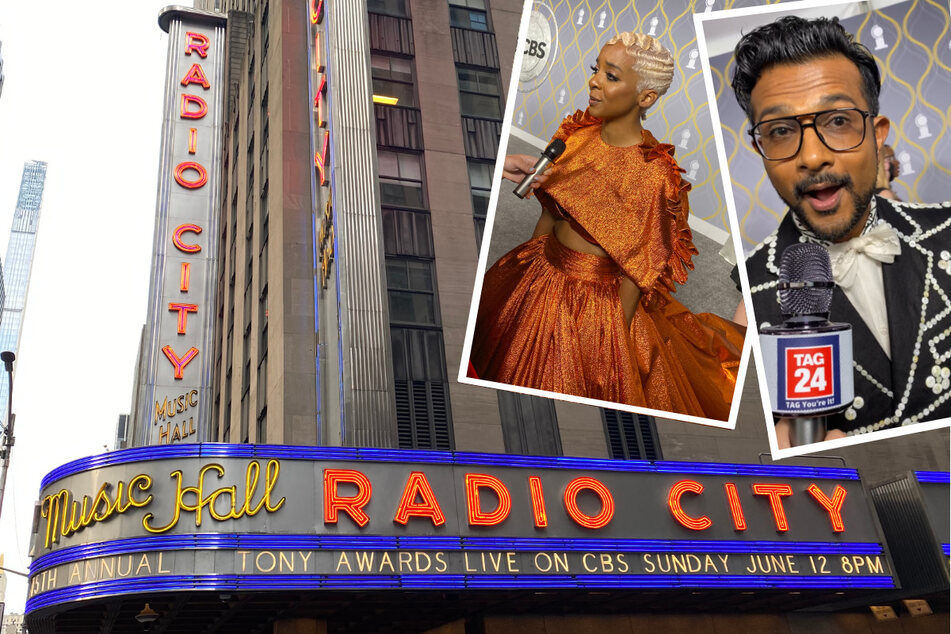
(880, 243)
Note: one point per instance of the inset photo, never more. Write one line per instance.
(833, 129)
(604, 273)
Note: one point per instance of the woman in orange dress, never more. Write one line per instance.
(584, 307)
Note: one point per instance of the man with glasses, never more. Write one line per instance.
(811, 95)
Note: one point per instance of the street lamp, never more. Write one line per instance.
(7, 357)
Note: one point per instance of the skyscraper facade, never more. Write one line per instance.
(19, 261)
(350, 226)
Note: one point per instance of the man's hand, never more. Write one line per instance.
(739, 316)
(518, 166)
(783, 426)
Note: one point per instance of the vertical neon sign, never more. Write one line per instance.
(323, 222)
(180, 327)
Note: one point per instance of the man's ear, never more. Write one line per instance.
(881, 125)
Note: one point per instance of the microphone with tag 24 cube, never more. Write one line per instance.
(808, 359)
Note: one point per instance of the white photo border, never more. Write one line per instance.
(784, 8)
(463, 376)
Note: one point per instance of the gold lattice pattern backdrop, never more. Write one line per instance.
(681, 117)
(912, 44)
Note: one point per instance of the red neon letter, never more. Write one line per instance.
(538, 501)
(192, 140)
(352, 506)
(198, 43)
(320, 159)
(774, 491)
(183, 310)
(188, 100)
(319, 53)
(571, 502)
(673, 503)
(179, 364)
(833, 506)
(736, 510)
(418, 485)
(191, 165)
(186, 274)
(474, 481)
(177, 238)
(316, 11)
(196, 75)
(319, 102)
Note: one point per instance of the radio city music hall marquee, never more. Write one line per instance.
(180, 322)
(254, 517)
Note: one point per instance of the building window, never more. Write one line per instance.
(529, 425)
(480, 184)
(393, 77)
(265, 37)
(250, 173)
(215, 416)
(265, 217)
(246, 360)
(468, 14)
(244, 418)
(265, 140)
(234, 159)
(401, 179)
(388, 7)
(407, 233)
(412, 291)
(631, 436)
(229, 353)
(226, 422)
(262, 265)
(250, 91)
(423, 418)
(262, 324)
(262, 390)
(262, 427)
(479, 93)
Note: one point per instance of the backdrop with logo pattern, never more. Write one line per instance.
(912, 44)
(681, 117)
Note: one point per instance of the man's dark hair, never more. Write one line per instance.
(793, 40)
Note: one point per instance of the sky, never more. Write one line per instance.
(83, 92)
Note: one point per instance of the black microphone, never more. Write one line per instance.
(549, 156)
(808, 359)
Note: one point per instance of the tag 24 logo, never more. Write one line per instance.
(809, 372)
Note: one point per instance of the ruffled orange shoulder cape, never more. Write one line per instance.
(631, 200)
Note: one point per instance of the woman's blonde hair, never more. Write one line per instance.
(653, 63)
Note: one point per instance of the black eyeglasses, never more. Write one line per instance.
(839, 130)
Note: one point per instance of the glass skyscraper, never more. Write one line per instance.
(19, 261)
(1, 70)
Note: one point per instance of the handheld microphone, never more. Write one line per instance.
(808, 359)
(549, 156)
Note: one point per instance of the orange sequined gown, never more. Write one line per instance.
(551, 318)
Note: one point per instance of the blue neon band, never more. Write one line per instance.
(934, 477)
(350, 582)
(233, 541)
(947, 549)
(290, 452)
